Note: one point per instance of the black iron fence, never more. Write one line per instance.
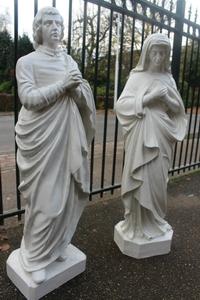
(105, 38)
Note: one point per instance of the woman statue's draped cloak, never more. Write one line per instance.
(53, 133)
(150, 134)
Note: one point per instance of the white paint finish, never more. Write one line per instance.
(152, 116)
(54, 130)
(57, 273)
(142, 248)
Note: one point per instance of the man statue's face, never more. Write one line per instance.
(51, 30)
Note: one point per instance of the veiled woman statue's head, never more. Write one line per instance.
(155, 54)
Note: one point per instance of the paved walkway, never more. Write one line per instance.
(111, 275)
(7, 161)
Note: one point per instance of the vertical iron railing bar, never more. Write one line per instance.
(132, 43)
(91, 167)
(198, 134)
(177, 45)
(176, 58)
(1, 200)
(84, 37)
(69, 27)
(153, 17)
(114, 153)
(196, 111)
(143, 29)
(196, 15)
(134, 28)
(171, 5)
(168, 33)
(190, 119)
(141, 44)
(174, 156)
(118, 92)
(197, 105)
(169, 18)
(16, 100)
(182, 90)
(95, 95)
(196, 121)
(123, 157)
(176, 144)
(197, 145)
(184, 66)
(35, 7)
(133, 3)
(106, 101)
(162, 16)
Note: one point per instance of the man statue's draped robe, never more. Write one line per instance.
(53, 133)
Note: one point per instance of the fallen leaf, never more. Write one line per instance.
(4, 247)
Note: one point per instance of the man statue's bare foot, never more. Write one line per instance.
(39, 276)
(63, 256)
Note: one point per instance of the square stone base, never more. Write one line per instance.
(140, 248)
(57, 273)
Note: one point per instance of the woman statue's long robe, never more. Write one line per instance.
(150, 134)
(53, 133)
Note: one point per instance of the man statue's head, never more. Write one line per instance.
(48, 28)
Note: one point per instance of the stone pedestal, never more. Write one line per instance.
(140, 248)
(58, 273)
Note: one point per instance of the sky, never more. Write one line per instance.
(26, 11)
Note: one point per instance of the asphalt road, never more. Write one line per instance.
(6, 134)
(7, 144)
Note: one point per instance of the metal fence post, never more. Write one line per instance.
(16, 99)
(176, 57)
(1, 200)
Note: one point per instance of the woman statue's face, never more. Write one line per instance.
(157, 56)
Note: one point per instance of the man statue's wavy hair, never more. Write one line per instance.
(37, 24)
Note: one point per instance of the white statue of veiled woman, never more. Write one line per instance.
(152, 115)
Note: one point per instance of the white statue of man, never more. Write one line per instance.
(152, 115)
(55, 127)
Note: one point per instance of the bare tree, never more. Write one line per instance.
(90, 34)
(5, 20)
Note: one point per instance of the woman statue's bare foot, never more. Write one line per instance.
(39, 276)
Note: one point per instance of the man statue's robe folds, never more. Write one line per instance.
(53, 133)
